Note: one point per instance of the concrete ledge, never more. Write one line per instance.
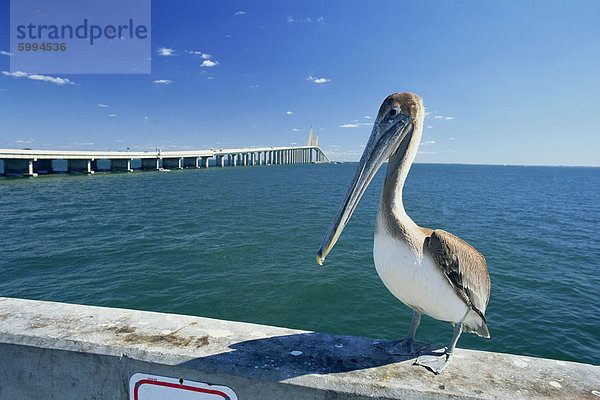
(64, 351)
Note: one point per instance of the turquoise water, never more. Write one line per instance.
(240, 244)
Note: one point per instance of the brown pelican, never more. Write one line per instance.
(431, 271)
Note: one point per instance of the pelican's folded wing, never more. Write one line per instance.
(464, 267)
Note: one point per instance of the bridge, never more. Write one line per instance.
(28, 162)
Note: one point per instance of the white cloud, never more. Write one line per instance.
(296, 130)
(205, 56)
(36, 77)
(451, 138)
(443, 117)
(317, 80)
(5, 53)
(240, 12)
(289, 112)
(146, 117)
(428, 142)
(163, 81)
(53, 79)
(24, 141)
(103, 105)
(112, 115)
(367, 117)
(356, 124)
(307, 20)
(208, 63)
(16, 74)
(82, 144)
(253, 86)
(165, 51)
(429, 126)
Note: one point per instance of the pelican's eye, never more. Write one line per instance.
(394, 111)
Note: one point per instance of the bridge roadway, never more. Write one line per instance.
(33, 162)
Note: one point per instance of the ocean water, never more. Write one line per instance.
(240, 243)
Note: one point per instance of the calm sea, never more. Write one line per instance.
(240, 244)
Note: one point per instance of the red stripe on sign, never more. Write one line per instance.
(138, 384)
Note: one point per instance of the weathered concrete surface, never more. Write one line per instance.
(62, 351)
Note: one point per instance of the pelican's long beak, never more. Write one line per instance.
(386, 136)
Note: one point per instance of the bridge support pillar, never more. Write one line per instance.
(204, 162)
(220, 161)
(120, 165)
(190, 162)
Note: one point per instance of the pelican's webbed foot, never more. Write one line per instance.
(435, 360)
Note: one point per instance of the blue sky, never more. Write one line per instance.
(503, 82)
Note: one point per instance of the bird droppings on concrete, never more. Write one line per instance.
(122, 329)
(555, 384)
(170, 339)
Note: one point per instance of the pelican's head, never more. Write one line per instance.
(397, 119)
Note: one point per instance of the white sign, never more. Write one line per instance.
(152, 387)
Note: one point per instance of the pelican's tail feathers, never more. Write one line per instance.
(474, 323)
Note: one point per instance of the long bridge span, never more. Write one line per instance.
(28, 162)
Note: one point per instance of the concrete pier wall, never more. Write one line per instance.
(64, 351)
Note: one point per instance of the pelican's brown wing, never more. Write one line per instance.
(466, 270)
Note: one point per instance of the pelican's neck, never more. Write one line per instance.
(391, 207)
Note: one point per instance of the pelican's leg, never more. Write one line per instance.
(407, 346)
(437, 360)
